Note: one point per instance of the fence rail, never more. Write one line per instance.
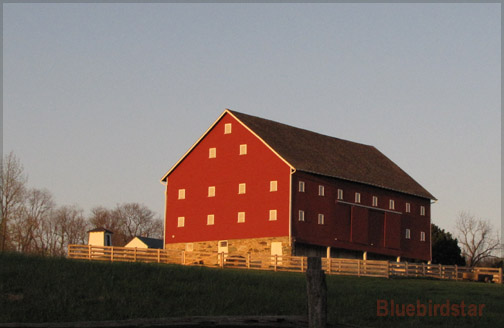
(353, 267)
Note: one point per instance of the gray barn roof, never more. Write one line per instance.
(319, 154)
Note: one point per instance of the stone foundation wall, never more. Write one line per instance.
(257, 246)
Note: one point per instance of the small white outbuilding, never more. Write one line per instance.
(100, 237)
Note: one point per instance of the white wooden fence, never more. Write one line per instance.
(333, 266)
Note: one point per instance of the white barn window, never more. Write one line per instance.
(273, 185)
(241, 217)
(210, 219)
(243, 149)
(301, 216)
(227, 128)
(273, 215)
(180, 221)
(321, 219)
(212, 152)
(242, 188)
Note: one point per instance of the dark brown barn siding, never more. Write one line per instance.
(393, 231)
(353, 227)
(375, 228)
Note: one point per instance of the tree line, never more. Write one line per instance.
(32, 222)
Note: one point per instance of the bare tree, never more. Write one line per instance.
(26, 229)
(477, 238)
(127, 221)
(137, 220)
(102, 217)
(65, 226)
(12, 189)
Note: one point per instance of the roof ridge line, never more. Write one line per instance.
(303, 129)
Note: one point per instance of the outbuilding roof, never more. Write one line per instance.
(100, 230)
(152, 242)
(316, 153)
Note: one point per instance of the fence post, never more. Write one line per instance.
(111, 254)
(329, 265)
(406, 269)
(158, 255)
(456, 272)
(89, 252)
(302, 263)
(440, 271)
(134, 254)
(423, 269)
(221, 259)
(358, 268)
(500, 275)
(248, 260)
(316, 290)
(183, 257)
(276, 261)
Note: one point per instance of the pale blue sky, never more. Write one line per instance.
(100, 100)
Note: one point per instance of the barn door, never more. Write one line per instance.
(276, 249)
(222, 247)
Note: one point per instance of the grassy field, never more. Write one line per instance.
(34, 289)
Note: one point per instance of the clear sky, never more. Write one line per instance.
(100, 100)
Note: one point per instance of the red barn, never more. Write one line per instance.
(254, 185)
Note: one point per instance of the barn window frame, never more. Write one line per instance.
(301, 216)
(243, 149)
(228, 128)
(320, 218)
(181, 194)
(210, 219)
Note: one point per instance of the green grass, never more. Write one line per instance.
(34, 289)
